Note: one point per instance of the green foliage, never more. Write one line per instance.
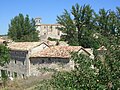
(4, 77)
(104, 75)
(69, 28)
(22, 29)
(4, 55)
(82, 24)
(86, 28)
(78, 26)
(83, 77)
(4, 59)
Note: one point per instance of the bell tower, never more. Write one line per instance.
(37, 21)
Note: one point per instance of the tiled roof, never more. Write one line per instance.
(23, 45)
(57, 51)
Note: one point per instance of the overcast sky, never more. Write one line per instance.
(46, 9)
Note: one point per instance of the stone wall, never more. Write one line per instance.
(52, 63)
(18, 64)
(48, 30)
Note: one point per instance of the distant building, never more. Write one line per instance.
(47, 30)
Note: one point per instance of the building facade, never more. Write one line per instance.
(47, 30)
(20, 52)
(55, 56)
(27, 58)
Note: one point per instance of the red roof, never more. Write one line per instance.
(57, 51)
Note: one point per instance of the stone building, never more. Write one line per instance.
(47, 30)
(20, 53)
(27, 57)
(52, 57)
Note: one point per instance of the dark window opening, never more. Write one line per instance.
(15, 74)
(58, 32)
(15, 61)
(23, 75)
(42, 61)
(8, 73)
(23, 63)
(49, 59)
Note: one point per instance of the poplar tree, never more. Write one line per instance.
(22, 29)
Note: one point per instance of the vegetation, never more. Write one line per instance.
(86, 28)
(22, 29)
(89, 74)
(83, 26)
(52, 39)
(4, 55)
(4, 59)
(104, 75)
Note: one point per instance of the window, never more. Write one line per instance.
(15, 74)
(44, 33)
(15, 61)
(58, 32)
(23, 75)
(49, 59)
(44, 27)
(23, 62)
(51, 28)
(42, 61)
(8, 73)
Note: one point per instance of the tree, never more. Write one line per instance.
(4, 55)
(69, 28)
(78, 25)
(91, 74)
(22, 29)
(4, 59)
(107, 24)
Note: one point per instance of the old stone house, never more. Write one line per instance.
(20, 53)
(47, 30)
(27, 57)
(55, 55)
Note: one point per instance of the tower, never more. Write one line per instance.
(37, 21)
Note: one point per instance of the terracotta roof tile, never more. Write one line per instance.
(57, 51)
(23, 45)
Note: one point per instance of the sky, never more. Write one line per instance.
(48, 10)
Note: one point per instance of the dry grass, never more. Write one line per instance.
(26, 84)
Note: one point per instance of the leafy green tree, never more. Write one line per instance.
(69, 28)
(107, 25)
(82, 77)
(105, 75)
(78, 26)
(22, 29)
(4, 55)
(4, 59)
